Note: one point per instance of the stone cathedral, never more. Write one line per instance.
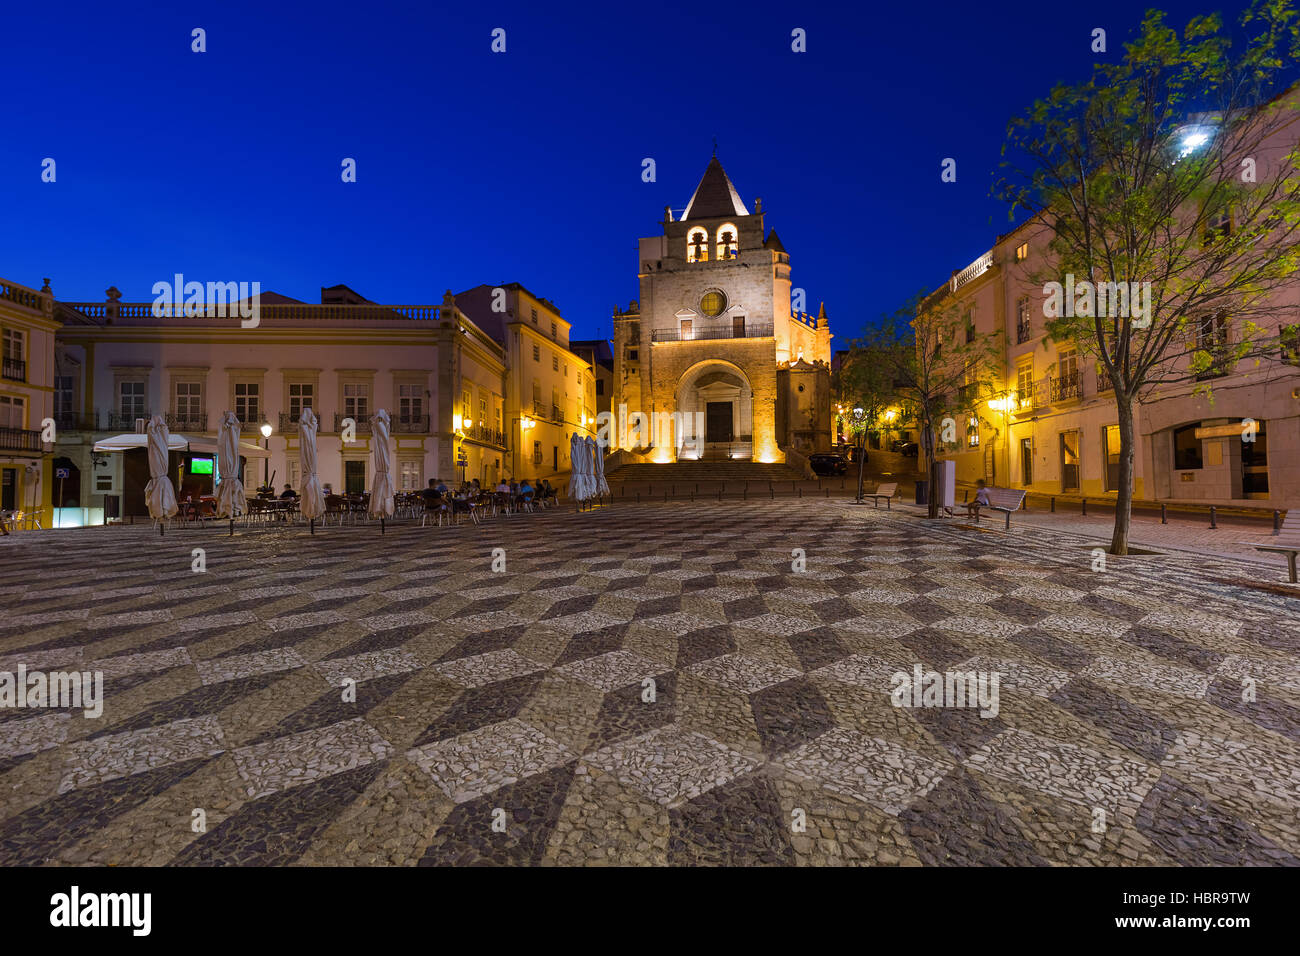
(713, 345)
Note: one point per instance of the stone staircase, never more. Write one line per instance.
(724, 470)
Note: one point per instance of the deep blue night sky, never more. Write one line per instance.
(480, 167)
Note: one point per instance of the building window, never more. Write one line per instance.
(534, 311)
(713, 304)
(697, 245)
(1025, 383)
(688, 329)
(1187, 448)
(189, 401)
(300, 397)
(1289, 337)
(631, 355)
(1218, 226)
(11, 411)
(292, 473)
(410, 403)
(600, 386)
(537, 353)
(555, 362)
(973, 433)
(1110, 445)
(131, 400)
(726, 241)
(552, 330)
(1022, 252)
(408, 474)
(63, 396)
(1023, 326)
(15, 365)
(1067, 376)
(248, 406)
(356, 401)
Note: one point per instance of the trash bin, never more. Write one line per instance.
(922, 492)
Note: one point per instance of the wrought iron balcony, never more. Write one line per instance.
(288, 423)
(714, 330)
(362, 422)
(76, 422)
(1066, 386)
(410, 425)
(187, 422)
(125, 420)
(14, 369)
(1024, 328)
(21, 441)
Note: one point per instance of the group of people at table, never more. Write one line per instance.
(508, 495)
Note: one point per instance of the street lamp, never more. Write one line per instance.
(266, 462)
(860, 444)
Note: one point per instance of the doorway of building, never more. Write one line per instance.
(67, 490)
(354, 477)
(9, 489)
(1070, 461)
(1110, 444)
(1254, 464)
(717, 422)
(1026, 461)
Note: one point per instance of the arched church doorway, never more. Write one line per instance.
(715, 409)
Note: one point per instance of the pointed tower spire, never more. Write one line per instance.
(715, 196)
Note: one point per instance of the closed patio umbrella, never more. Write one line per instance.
(312, 504)
(598, 456)
(381, 496)
(159, 493)
(230, 492)
(576, 486)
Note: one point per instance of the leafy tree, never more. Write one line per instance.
(1172, 169)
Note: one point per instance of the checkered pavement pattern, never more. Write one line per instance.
(663, 684)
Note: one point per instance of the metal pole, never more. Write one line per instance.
(1214, 526)
(1277, 522)
(1164, 513)
(1085, 507)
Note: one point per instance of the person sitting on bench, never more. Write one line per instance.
(981, 499)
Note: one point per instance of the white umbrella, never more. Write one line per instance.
(312, 505)
(381, 496)
(159, 493)
(230, 492)
(576, 488)
(602, 486)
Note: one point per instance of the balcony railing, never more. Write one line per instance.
(21, 440)
(720, 330)
(973, 271)
(1023, 330)
(123, 420)
(1067, 385)
(362, 420)
(288, 423)
(556, 414)
(486, 433)
(539, 410)
(76, 422)
(188, 422)
(410, 425)
(14, 369)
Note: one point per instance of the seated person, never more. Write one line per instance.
(431, 495)
(526, 491)
(288, 492)
(503, 488)
(981, 499)
(436, 483)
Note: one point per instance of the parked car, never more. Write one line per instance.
(828, 464)
(896, 445)
(910, 449)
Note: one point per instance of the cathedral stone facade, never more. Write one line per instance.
(712, 362)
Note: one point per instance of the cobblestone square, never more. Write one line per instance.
(646, 684)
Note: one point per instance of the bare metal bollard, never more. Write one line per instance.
(1164, 513)
(1214, 524)
(1277, 522)
(1085, 507)
(1053, 504)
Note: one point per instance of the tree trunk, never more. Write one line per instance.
(932, 469)
(1124, 494)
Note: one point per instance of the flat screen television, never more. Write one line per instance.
(201, 466)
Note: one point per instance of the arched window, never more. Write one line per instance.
(727, 241)
(697, 245)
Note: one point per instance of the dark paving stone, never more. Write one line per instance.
(936, 650)
(1164, 644)
(485, 642)
(1264, 710)
(277, 829)
(816, 648)
(959, 730)
(957, 824)
(34, 836)
(481, 706)
(1128, 724)
(739, 823)
(532, 807)
(1053, 650)
(330, 708)
(1193, 830)
(593, 643)
(624, 714)
(208, 699)
(378, 641)
(790, 714)
(704, 645)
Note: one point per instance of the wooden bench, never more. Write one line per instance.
(1288, 542)
(1005, 500)
(886, 491)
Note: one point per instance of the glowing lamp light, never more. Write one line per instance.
(266, 430)
(467, 423)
